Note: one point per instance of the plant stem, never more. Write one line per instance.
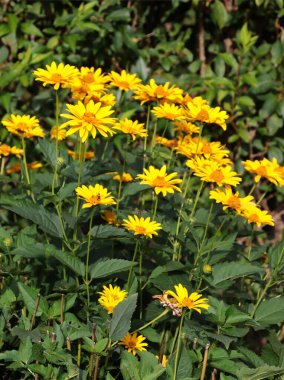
(178, 345)
(140, 284)
(204, 365)
(132, 264)
(2, 165)
(55, 177)
(154, 136)
(155, 205)
(153, 320)
(87, 260)
(27, 170)
(81, 161)
(261, 296)
(145, 139)
(119, 193)
(196, 200)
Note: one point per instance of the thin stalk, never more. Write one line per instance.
(252, 189)
(132, 264)
(261, 296)
(35, 311)
(145, 139)
(87, 260)
(155, 205)
(178, 345)
(250, 243)
(119, 193)
(205, 359)
(196, 199)
(97, 367)
(105, 149)
(204, 235)
(2, 165)
(154, 136)
(153, 320)
(261, 198)
(81, 161)
(140, 284)
(62, 309)
(26, 169)
(55, 176)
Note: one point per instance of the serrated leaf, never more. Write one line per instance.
(134, 188)
(71, 261)
(129, 366)
(106, 231)
(69, 301)
(270, 312)
(100, 345)
(232, 270)
(30, 296)
(121, 317)
(260, 373)
(108, 267)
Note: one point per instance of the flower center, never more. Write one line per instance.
(202, 115)
(159, 182)
(217, 176)
(160, 92)
(254, 218)
(131, 344)
(262, 171)
(187, 302)
(125, 85)
(89, 78)
(5, 150)
(89, 118)
(21, 126)
(57, 78)
(234, 202)
(206, 148)
(140, 230)
(95, 199)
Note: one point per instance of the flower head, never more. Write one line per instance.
(16, 168)
(161, 181)
(192, 301)
(153, 92)
(88, 81)
(91, 118)
(94, 195)
(132, 128)
(166, 142)
(124, 177)
(58, 133)
(134, 343)
(124, 81)
(6, 150)
(61, 75)
(75, 155)
(266, 169)
(186, 127)
(231, 200)
(109, 216)
(25, 125)
(111, 297)
(141, 226)
(168, 111)
(254, 215)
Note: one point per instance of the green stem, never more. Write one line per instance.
(2, 165)
(205, 232)
(55, 177)
(178, 345)
(261, 296)
(155, 205)
(105, 149)
(30, 192)
(87, 260)
(140, 284)
(196, 200)
(119, 193)
(81, 161)
(153, 320)
(261, 198)
(250, 243)
(132, 264)
(252, 189)
(154, 136)
(145, 139)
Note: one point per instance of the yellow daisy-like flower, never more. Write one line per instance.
(124, 81)
(141, 226)
(124, 177)
(186, 127)
(61, 75)
(134, 343)
(153, 92)
(166, 142)
(25, 125)
(97, 97)
(254, 215)
(16, 168)
(230, 199)
(161, 181)
(264, 168)
(168, 111)
(111, 297)
(91, 118)
(75, 155)
(109, 216)
(132, 128)
(94, 195)
(88, 81)
(58, 133)
(212, 171)
(192, 301)
(197, 110)
(6, 150)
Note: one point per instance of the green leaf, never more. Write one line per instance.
(121, 318)
(82, 332)
(69, 301)
(122, 14)
(270, 312)
(245, 101)
(134, 188)
(30, 297)
(106, 231)
(264, 372)
(232, 270)
(100, 345)
(219, 14)
(7, 298)
(129, 366)
(30, 28)
(69, 260)
(25, 350)
(46, 220)
(108, 267)
(276, 254)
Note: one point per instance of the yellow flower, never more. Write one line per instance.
(58, 133)
(94, 195)
(16, 168)
(168, 111)
(109, 216)
(254, 215)
(6, 150)
(230, 199)
(91, 118)
(186, 127)
(61, 75)
(207, 268)
(197, 110)
(97, 97)
(132, 128)
(124, 81)
(158, 93)
(134, 343)
(26, 126)
(75, 155)
(161, 181)
(141, 226)
(125, 177)
(192, 301)
(88, 81)
(266, 169)
(166, 142)
(111, 297)
(163, 361)
(212, 171)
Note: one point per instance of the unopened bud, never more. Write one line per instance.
(7, 241)
(207, 268)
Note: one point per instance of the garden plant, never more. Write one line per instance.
(139, 238)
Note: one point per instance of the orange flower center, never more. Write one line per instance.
(187, 302)
(217, 176)
(89, 78)
(140, 230)
(234, 202)
(206, 148)
(159, 182)
(131, 344)
(160, 92)
(90, 118)
(21, 126)
(262, 171)
(95, 199)
(202, 115)
(254, 218)
(56, 78)
(125, 85)
(5, 150)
